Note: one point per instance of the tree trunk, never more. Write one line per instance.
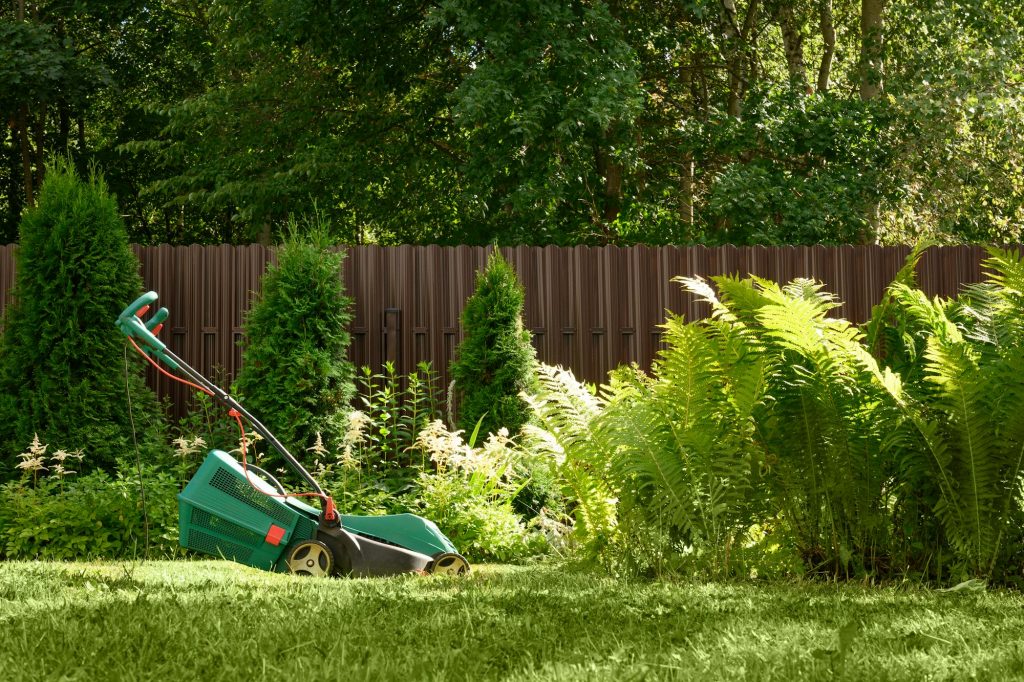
(611, 173)
(687, 191)
(793, 45)
(40, 126)
(737, 47)
(872, 35)
(612, 191)
(81, 134)
(63, 126)
(25, 148)
(748, 37)
(734, 61)
(828, 38)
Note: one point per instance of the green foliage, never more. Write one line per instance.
(682, 443)
(552, 96)
(92, 516)
(470, 494)
(62, 365)
(769, 395)
(964, 433)
(818, 164)
(397, 409)
(495, 361)
(482, 529)
(820, 421)
(296, 374)
(35, 67)
(768, 440)
(526, 122)
(85, 77)
(565, 437)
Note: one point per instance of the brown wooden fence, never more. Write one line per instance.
(590, 309)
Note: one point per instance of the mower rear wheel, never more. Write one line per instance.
(311, 557)
(448, 563)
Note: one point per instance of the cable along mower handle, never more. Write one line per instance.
(132, 326)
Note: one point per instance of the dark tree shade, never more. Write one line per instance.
(495, 360)
(62, 368)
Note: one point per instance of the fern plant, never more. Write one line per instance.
(964, 430)
(682, 446)
(564, 431)
(819, 417)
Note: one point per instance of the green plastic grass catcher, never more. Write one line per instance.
(240, 512)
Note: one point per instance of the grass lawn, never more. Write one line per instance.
(209, 620)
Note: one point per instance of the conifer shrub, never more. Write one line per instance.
(62, 366)
(296, 376)
(495, 361)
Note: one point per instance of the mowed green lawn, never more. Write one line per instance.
(211, 620)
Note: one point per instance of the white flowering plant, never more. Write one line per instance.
(470, 493)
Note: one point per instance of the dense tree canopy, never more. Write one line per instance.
(528, 121)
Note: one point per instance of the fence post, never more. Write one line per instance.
(392, 336)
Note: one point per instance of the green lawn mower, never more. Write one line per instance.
(238, 511)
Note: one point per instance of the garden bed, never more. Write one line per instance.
(219, 621)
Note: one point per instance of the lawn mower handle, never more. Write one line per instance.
(131, 325)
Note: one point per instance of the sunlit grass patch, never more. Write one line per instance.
(219, 621)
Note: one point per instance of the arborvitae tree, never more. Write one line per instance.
(495, 360)
(62, 367)
(296, 376)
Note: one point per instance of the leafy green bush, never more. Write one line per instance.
(470, 495)
(295, 373)
(62, 365)
(769, 395)
(495, 361)
(769, 439)
(565, 437)
(92, 516)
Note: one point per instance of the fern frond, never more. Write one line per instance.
(1006, 269)
(964, 399)
(881, 321)
(566, 414)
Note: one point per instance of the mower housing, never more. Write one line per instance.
(248, 521)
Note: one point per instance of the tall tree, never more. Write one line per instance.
(872, 42)
(63, 373)
(83, 78)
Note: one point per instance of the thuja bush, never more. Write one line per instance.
(295, 370)
(495, 361)
(62, 364)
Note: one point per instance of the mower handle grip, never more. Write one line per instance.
(131, 325)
